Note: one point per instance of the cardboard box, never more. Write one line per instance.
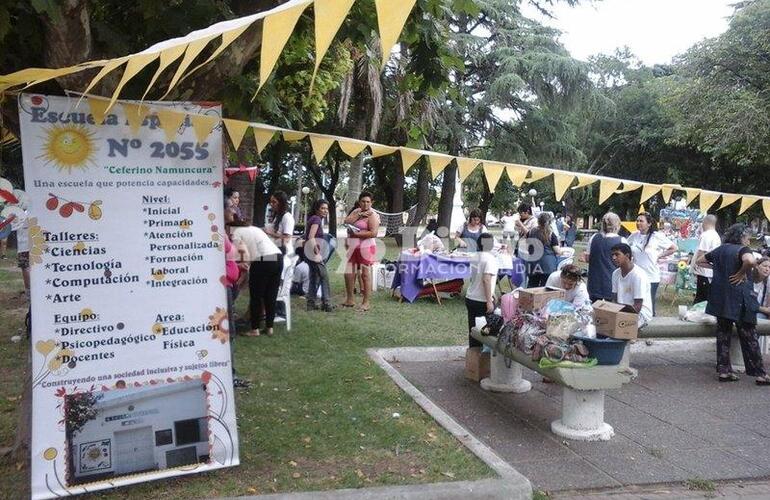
(532, 299)
(476, 364)
(618, 321)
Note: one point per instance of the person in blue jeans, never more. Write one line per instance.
(315, 246)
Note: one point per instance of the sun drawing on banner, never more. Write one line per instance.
(69, 147)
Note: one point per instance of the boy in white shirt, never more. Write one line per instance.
(630, 285)
(480, 295)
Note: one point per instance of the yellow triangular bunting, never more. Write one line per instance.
(561, 183)
(291, 136)
(535, 174)
(170, 121)
(203, 125)
(98, 108)
(320, 145)
(276, 30)
(438, 163)
(648, 191)
(707, 199)
(766, 208)
(106, 69)
(329, 15)
(516, 173)
(691, 194)
(408, 158)
(391, 17)
(380, 150)
(584, 180)
(236, 129)
(465, 166)
(228, 37)
(728, 199)
(191, 52)
(606, 188)
(667, 189)
(629, 186)
(134, 66)
(167, 57)
(135, 115)
(747, 202)
(492, 172)
(263, 137)
(352, 148)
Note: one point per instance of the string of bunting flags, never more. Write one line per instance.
(277, 26)
(171, 120)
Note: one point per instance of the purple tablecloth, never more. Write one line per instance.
(413, 269)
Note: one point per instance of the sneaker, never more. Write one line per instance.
(241, 383)
(328, 308)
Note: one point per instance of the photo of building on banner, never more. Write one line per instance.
(132, 376)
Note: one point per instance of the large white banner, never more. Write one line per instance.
(131, 355)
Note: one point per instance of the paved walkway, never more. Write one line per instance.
(674, 423)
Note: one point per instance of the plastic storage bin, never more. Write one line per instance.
(607, 351)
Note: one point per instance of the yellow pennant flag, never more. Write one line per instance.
(629, 186)
(535, 174)
(747, 202)
(438, 163)
(766, 208)
(320, 146)
(408, 158)
(561, 183)
(170, 121)
(134, 66)
(667, 189)
(728, 199)
(516, 173)
(135, 115)
(228, 37)
(352, 148)
(98, 108)
(167, 57)
(648, 191)
(465, 166)
(291, 136)
(492, 172)
(191, 52)
(606, 189)
(707, 199)
(203, 125)
(380, 150)
(236, 129)
(263, 137)
(276, 30)
(329, 16)
(109, 67)
(691, 194)
(584, 180)
(391, 17)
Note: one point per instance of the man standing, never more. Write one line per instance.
(526, 221)
(629, 283)
(709, 240)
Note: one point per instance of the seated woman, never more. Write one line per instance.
(570, 278)
(760, 278)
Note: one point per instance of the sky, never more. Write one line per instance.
(655, 30)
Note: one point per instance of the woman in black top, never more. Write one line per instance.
(732, 300)
(542, 242)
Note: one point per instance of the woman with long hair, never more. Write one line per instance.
(314, 250)
(468, 234)
(282, 226)
(543, 247)
(650, 246)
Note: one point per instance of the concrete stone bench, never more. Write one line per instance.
(662, 327)
(582, 414)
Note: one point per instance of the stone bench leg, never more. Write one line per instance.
(504, 379)
(736, 355)
(582, 417)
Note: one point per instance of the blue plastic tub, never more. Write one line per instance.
(607, 351)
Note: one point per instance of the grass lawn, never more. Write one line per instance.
(319, 412)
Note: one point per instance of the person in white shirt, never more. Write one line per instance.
(509, 224)
(570, 279)
(629, 283)
(301, 279)
(709, 240)
(650, 246)
(264, 274)
(480, 295)
(468, 234)
(282, 227)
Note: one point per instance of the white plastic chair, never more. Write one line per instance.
(284, 292)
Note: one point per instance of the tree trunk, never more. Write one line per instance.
(423, 194)
(486, 200)
(397, 187)
(447, 196)
(354, 181)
